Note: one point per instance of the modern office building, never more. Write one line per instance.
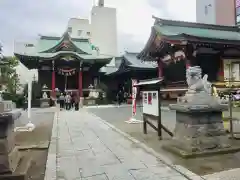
(220, 12)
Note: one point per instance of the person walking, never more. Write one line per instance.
(76, 102)
(61, 101)
(119, 97)
(68, 102)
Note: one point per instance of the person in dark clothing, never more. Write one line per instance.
(72, 100)
(61, 101)
(76, 102)
(119, 97)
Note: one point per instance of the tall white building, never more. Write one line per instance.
(104, 28)
(79, 28)
(221, 12)
(102, 31)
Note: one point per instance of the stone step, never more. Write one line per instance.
(22, 171)
(7, 144)
(9, 162)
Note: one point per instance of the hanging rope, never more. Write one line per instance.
(67, 72)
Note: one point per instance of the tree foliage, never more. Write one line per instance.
(9, 76)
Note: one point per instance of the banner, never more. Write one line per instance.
(134, 96)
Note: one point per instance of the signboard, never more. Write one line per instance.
(150, 103)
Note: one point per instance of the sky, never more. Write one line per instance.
(25, 20)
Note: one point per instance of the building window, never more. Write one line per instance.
(206, 10)
(238, 19)
(79, 32)
(70, 29)
(88, 33)
(238, 11)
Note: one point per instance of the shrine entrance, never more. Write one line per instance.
(66, 79)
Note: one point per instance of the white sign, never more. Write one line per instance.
(150, 102)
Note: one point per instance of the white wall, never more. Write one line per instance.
(79, 25)
(104, 29)
(206, 11)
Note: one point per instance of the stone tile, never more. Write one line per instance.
(51, 171)
(148, 159)
(133, 164)
(67, 168)
(66, 153)
(145, 175)
(164, 170)
(118, 172)
(95, 151)
(99, 149)
(160, 172)
(97, 177)
(80, 144)
(196, 178)
(174, 178)
(91, 169)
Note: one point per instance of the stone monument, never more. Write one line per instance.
(199, 127)
(45, 100)
(93, 95)
(9, 154)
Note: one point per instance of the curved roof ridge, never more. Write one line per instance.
(195, 25)
(65, 37)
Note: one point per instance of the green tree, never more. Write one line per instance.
(9, 76)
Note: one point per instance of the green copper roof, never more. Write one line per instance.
(50, 47)
(185, 29)
(45, 44)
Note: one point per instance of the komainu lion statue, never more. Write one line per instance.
(195, 81)
(196, 84)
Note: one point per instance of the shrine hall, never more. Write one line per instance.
(63, 63)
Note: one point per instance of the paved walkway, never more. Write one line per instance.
(84, 147)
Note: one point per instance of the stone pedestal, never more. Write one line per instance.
(197, 131)
(199, 127)
(81, 102)
(44, 102)
(9, 155)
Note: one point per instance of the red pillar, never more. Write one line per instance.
(53, 81)
(221, 71)
(160, 69)
(80, 83)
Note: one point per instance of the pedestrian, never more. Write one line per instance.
(119, 97)
(125, 97)
(61, 101)
(68, 102)
(72, 99)
(76, 102)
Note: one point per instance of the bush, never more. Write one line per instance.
(16, 98)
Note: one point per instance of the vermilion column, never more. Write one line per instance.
(160, 68)
(221, 71)
(53, 80)
(80, 82)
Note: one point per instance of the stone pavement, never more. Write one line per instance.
(233, 174)
(85, 147)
